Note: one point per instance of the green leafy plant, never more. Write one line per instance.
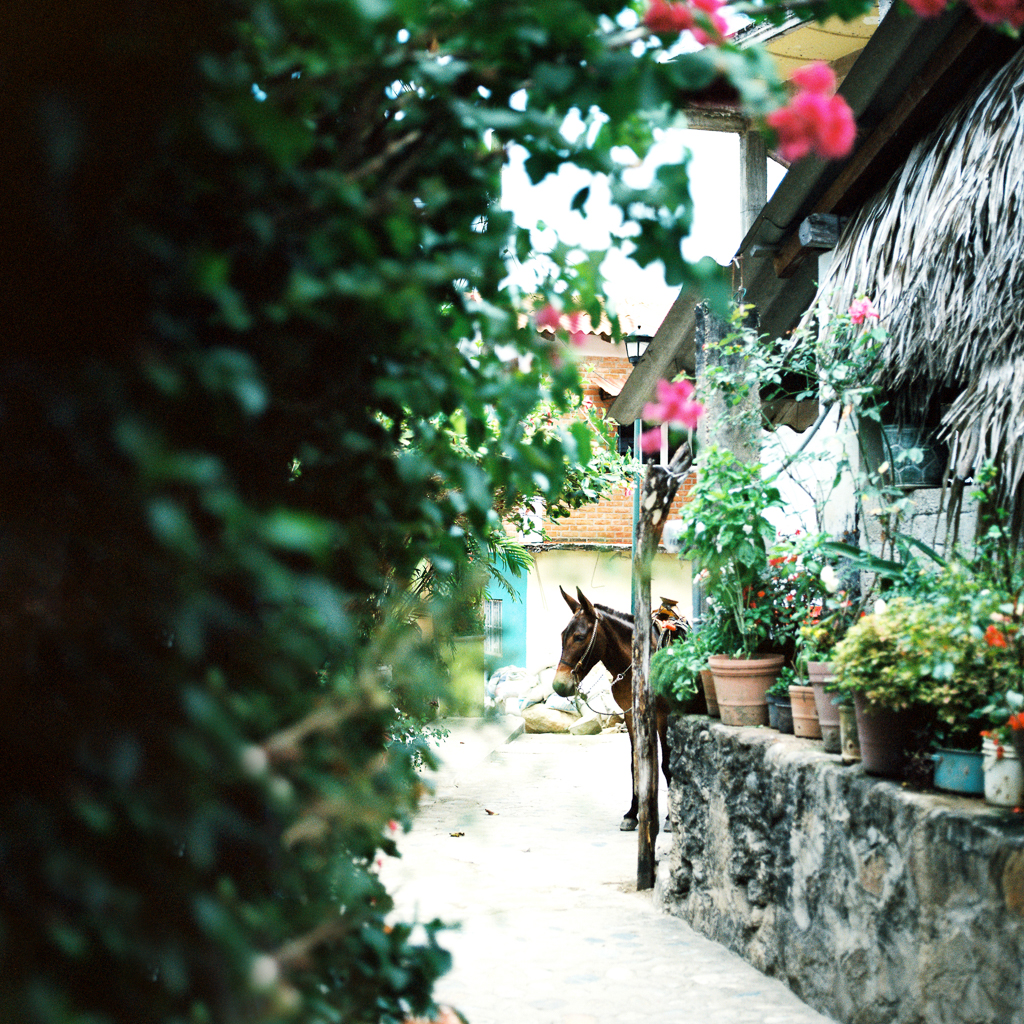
(932, 656)
(726, 534)
(783, 681)
(674, 670)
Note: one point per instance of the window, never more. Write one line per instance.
(492, 626)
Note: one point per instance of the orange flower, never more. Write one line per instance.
(1017, 721)
(994, 637)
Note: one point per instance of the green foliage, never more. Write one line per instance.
(260, 375)
(931, 655)
(674, 668)
(725, 531)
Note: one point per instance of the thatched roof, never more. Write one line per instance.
(939, 251)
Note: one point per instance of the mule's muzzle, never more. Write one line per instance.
(563, 684)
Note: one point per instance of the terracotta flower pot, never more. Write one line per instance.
(820, 673)
(710, 697)
(741, 686)
(805, 712)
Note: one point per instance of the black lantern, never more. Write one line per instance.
(636, 346)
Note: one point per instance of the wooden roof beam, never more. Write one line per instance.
(793, 251)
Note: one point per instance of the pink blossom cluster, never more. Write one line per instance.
(550, 316)
(675, 405)
(814, 119)
(862, 309)
(700, 17)
(993, 12)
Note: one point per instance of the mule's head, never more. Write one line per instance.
(578, 655)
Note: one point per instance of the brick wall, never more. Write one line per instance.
(610, 521)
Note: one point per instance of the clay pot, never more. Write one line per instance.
(741, 685)
(884, 735)
(820, 673)
(710, 697)
(805, 712)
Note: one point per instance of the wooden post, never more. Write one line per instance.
(753, 177)
(660, 486)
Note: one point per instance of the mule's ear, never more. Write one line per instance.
(587, 606)
(571, 602)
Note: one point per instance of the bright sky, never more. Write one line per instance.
(714, 184)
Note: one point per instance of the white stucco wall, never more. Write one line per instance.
(605, 578)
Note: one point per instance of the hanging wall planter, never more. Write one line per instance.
(908, 474)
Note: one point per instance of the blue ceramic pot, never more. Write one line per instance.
(959, 771)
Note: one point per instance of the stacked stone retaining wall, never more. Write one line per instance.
(875, 903)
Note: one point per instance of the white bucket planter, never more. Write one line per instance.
(1004, 776)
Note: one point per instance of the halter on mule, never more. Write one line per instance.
(615, 653)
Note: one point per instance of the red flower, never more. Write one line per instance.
(816, 78)
(1016, 722)
(996, 11)
(650, 441)
(662, 16)
(994, 637)
(861, 310)
(719, 28)
(814, 120)
(549, 317)
(675, 405)
(927, 8)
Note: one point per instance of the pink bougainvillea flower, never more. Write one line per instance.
(817, 77)
(577, 335)
(548, 316)
(663, 16)
(861, 310)
(927, 8)
(814, 120)
(995, 12)
(675, 405)
(719, 29)
(650, 441)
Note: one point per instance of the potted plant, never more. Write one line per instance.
(913, 666)
(726, 534)
(676, 674)
(821, 612)
(780, 711)
(1003, 750)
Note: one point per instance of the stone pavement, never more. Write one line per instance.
(520, 843)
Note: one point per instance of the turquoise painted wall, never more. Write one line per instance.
(513, 625)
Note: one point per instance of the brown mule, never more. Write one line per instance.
(597, 633)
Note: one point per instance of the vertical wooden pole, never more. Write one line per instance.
(660, 486)
(753, 177)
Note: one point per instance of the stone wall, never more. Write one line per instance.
(875, 903)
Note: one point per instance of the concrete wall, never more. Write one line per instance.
(604, 576)
(875, 903)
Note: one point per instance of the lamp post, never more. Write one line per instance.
(636, 346)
